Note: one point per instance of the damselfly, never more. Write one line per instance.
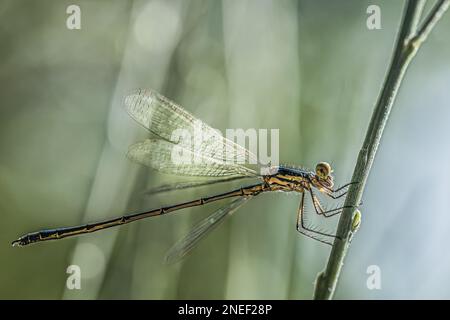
(162, 118)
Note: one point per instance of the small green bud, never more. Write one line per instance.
(356, 221)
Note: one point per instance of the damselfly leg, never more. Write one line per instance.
(319, 209)
(335, 194)
(309, 231)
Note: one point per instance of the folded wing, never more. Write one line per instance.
(172, 123)
(198, 232)
(170, 158)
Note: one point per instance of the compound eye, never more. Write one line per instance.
(323, 170)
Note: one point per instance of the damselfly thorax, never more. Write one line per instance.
(162, 117)
(299, 180)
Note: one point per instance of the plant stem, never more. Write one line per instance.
(409, 39)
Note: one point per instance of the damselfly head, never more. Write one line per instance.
(323, 170)
(323, 175)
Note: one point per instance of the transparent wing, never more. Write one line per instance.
(172, 158)
(171, 122)
(188, 242)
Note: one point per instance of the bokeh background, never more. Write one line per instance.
(310, 68)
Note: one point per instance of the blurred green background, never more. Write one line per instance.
(310, 68)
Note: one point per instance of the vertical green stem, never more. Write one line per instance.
(409, 39)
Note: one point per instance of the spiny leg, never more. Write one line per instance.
(345, 186)
(319, 209)
(308, 231)
(336, 197)
(332, 193)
